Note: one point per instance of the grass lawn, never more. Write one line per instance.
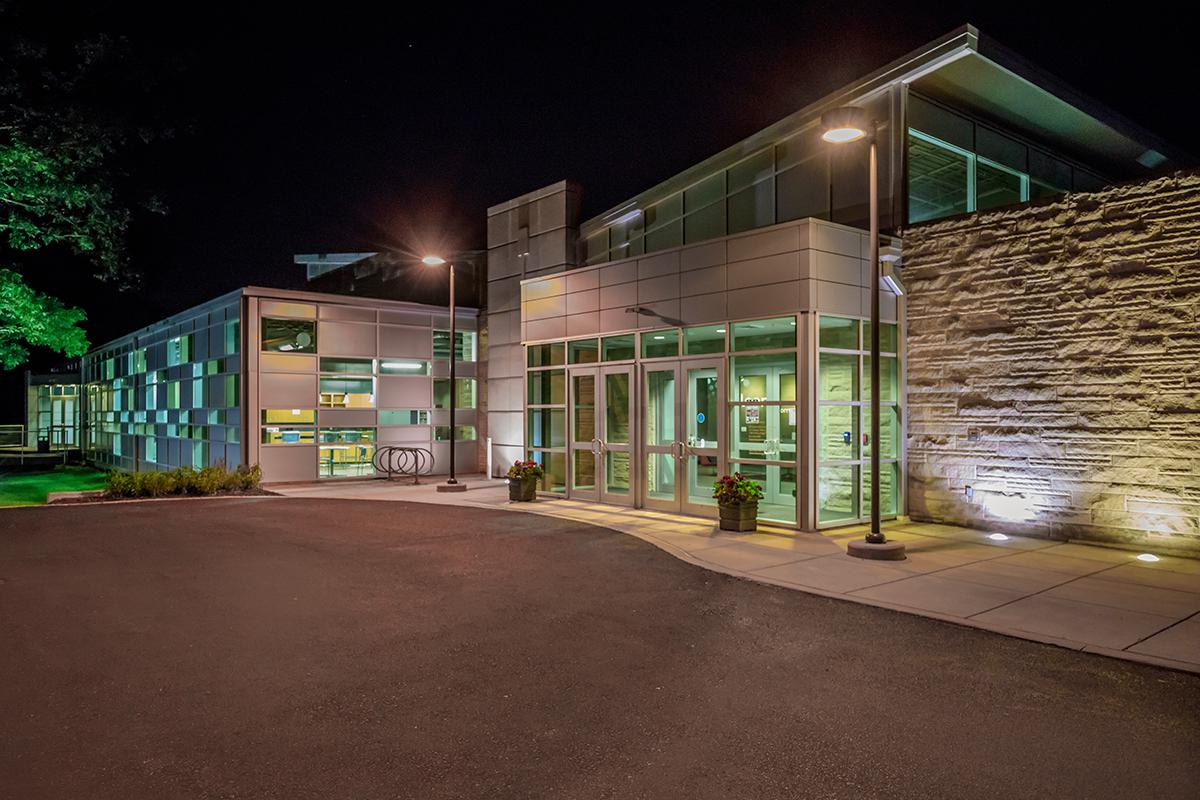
(30, 488)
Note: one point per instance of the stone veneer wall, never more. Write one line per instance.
(1054, 367)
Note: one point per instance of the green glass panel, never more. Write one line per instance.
(616, 408)
(763, 378)
(584, 351)
(764, 334)
(837, 433)
(888, 481)
(704, 339)
(660, 344)
(837, 493)
(583, 393)
(660, 407)
(888, 381)
(837, 377)
(889, 429)
(838, 333)
(889, 341)
(547, 387)
(546, 355)
(618, 348)
(555, 468)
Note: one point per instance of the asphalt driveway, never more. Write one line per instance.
(291, 648)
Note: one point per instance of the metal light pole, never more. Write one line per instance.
(451, 484)
(852, 124)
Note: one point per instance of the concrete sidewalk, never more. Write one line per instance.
(1084, 597)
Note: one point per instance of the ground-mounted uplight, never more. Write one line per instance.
(997, 537)
(1147, 557)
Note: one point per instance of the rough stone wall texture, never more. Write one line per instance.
(1054, 367)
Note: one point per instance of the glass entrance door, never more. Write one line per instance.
(601, 441)
(683, 435)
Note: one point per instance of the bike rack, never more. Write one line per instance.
(403, 461)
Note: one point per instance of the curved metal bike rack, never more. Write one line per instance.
(403, 460)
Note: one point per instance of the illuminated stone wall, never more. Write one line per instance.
(1054, 367)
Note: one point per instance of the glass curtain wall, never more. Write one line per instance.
(844, 420)
(546, 413)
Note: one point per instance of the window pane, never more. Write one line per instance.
(839, 333)
(707, 223)
(670, 235)
(547, 355)
(888, 378)
(837, 493)
(596, 247)
(888, 337)
(616, 407)
(404, 416)
(660, 407)
(287, 434)
(346, 452)
(757, 167)
(465, 397)
(289, 416)
(659, 344)
(618, 348)
(764, 334)
(888, 474)
(779, 489)
(547, 387)
(803, 190)
(464, 341)
(837, 433)
(289, 335)
(704, 339)
(462, 433)
(555, 467)
(937, 179)
(403, 366)
(752, 207)
(889, 427)
(996, 186)
(763, 378)
(707, 191)
(585, 351)
(347, 392)
(664, 211)
(838, 377)
(583, 401)
(763, 432)
(354, 366)
(547, 427)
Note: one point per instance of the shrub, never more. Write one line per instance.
(183, 481)
(525, 469)
(736, 489)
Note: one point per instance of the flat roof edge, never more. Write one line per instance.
(564, 185)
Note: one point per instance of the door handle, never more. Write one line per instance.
(597, 446)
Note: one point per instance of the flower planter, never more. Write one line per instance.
(522, 490)
(739, 517)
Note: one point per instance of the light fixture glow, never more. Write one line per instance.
(720, 330)
(433, 261)
(842, 135)
(660, 337)
(997, 537)
(403, 365)
(1147, 557)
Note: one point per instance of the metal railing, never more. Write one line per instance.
(402, 460)
(15, 448)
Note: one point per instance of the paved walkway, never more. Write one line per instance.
(1084, 597)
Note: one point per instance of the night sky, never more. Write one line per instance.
(361, 130)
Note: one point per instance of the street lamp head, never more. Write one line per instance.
(433, 261)
(846, 124)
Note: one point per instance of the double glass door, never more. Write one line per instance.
(601, 440)
(682, 434)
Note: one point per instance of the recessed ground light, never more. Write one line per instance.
(1147, 557)
(997, 537)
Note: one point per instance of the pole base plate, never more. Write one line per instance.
(887, 551)
(451, 487)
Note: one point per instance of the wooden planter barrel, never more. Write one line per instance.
(741, 517)
(522, 490)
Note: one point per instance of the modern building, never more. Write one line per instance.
(717, 321)
(305, 384)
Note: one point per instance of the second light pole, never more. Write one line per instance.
(839, 126)
(451, 484)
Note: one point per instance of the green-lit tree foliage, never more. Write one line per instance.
(29, 317)
(68, 123)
